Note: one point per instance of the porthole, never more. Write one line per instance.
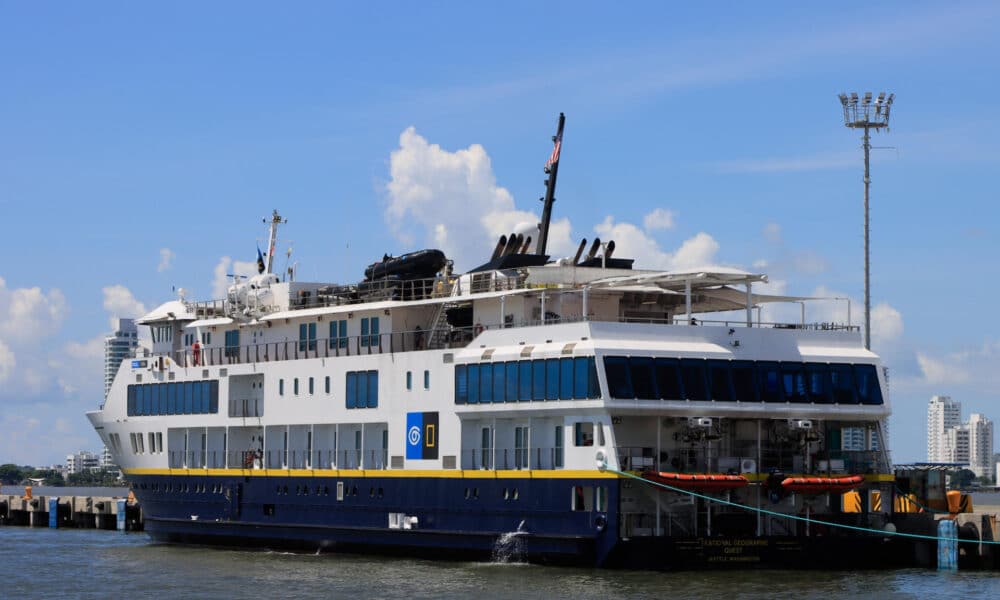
(516, 495)
(506, 494)
(467, 493)
(380, 492)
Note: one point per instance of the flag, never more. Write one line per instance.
(260, 260)
(554, 158)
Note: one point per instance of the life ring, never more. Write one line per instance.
(602, 460)
(478, 328)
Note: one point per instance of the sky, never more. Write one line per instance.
(142, 144)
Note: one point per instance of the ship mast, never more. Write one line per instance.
(552, 169)
(273, 239)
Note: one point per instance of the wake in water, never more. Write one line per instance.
(509, 547)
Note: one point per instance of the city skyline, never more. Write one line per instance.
(141, 148)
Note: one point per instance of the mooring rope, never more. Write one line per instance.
(604, 467)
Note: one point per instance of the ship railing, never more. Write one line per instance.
(378, 290)
(504, 459)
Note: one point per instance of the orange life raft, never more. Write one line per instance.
(698, 482)
(821, 485)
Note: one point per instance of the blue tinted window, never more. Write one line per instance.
(693, 374)
(461, 385)
(744, 382)
(593, 385)
(770, 382)
(185, 406)
(196, 404)
(154, 407)
(524, 380)
(374, 337)
(351, 391)
(581, 373)
(643, 378)
(372, 389)
(793, 382)
(538, 380)
(566, 378)
(361, 399)
(668, 379)
(552, 379)
(473, 384)
(485, 384)
(172, 399)
(842, 384)
(303, 335)
(511, 370)
(818, 383)
(213, 397)
(130, 403)
(364, 332)
(719, 382)
(343, 333)
(619, 381)
(868, 388)
(499, 381)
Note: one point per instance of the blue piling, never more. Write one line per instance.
(121, 514)
(947, 545)
(53, 513)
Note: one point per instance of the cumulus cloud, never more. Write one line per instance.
(121, 304)
(698, 251)
(8, 362)
(887, 323)
(660, 218)
(224, 271)
(27, 315)
(942, 372)
(452, 200)
(166, 259)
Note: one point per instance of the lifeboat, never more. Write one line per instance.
(421, 264)
(698, 482)
(821, 485)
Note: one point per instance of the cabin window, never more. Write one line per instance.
(362, 389)
(310, 386)
(338, 334)
(868, 388)
(461, 384)
(510, 375)
(295, 386)
(281, 387)
(152, 443)
(521, 441)
(842, 383)
(326, 385)
(206, 338)
(499, 382)
(581, 498)
(307, 337)
(818, 383)
(486, 383)
(719, 382)
(583, 433)
(369, 331)
(233, 343)
(643, 378)
(486, 448)
(601, 499)
(793, 382)
(552, 379)
(474, 389)
(538, 380)
(744, 385)
(409, 380)
(600, 433)
(619, 380)
(693, 374)
(566, 378)
(427, 380)
(524, 380)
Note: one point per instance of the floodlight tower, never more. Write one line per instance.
(867, 115)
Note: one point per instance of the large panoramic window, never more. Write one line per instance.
(527, 380)
(361, 389)
(172, 398)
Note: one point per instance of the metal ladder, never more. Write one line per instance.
(438, 335)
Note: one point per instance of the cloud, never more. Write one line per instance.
(28, 315)
(660, 218)
(941, 372)
(887, 323)
(166, 259)
(121, 304)
(8, 362)
(788, 164)
(630, 241)
(224, 271)
(452, 201)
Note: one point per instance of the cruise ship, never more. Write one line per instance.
(573, 410)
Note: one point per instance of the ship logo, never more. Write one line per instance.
(421, 435)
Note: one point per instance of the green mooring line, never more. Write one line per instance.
(789, 516)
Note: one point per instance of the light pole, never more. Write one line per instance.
(867, 115)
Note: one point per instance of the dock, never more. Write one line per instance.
(121, 513)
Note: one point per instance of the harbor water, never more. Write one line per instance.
(67, 563)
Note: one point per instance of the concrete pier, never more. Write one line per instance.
(88, 512)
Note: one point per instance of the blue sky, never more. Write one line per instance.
(141, 145)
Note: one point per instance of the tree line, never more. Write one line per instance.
(11, 474)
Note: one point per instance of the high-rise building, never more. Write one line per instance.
(980, 445)
(943, 414)
(82, 461)
(956, 445)
(117, 347)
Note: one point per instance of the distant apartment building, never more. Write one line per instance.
(81, 462)
(956, 445)
(943, 414)
(980, 445)
(107, 462)
(117, 347)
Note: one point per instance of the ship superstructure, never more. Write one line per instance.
(425, 409)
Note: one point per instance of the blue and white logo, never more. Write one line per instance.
(413, 436)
